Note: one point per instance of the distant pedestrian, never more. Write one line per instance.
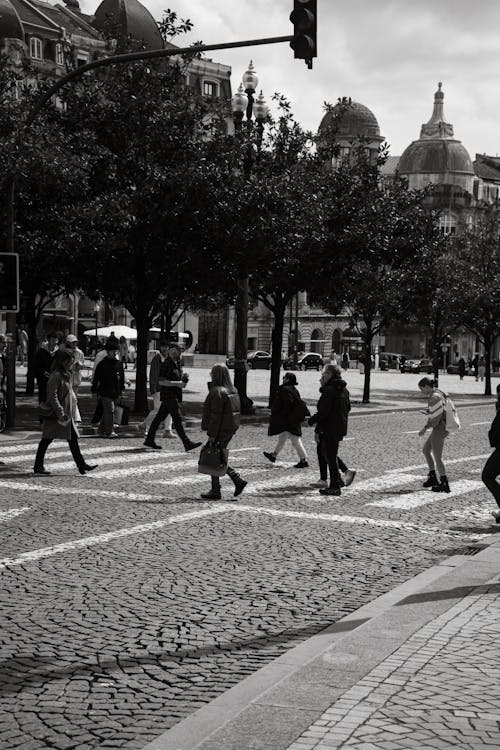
(123, 351)
(108, 384)
(475, 366)
(100, 354)
(154, 387)
(331, 419)
(345, 361)
(71, 345)
(221, 419)
(113, 340)
(491, 468)
(43, 363)
(62, 424)
(433, 446)
(287, 415)
(461, 367)
(172, 381)
(3, 360)
(481, 368)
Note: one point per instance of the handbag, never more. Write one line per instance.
(121, 414)
(213, 457)
(45, 411)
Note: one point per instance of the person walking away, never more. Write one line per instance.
(433, 446)
(461, 367)
(332, 418)
(481, 368)
(99, 356)
(62, 425)
(172, 381)
(71, 344)
(345, 361)
(491, 468)
(108, 383)
(475, 366)
(286, 420)
(123, 351)
(221, 419)
(154, 387)
(42, 365)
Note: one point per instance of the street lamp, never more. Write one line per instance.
(244, 103)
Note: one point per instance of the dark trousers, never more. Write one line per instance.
(330, 447)
(490, 472)
(97, 412)
(232, 473)
(42, 390)
(322, 462)
(73, 446)
(169, 406)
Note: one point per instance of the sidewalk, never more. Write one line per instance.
(417, 668)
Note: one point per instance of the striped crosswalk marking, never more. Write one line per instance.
(424, 497)
(6, 515)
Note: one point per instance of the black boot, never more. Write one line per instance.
(432, 480)
(443, 485)
(239, 483)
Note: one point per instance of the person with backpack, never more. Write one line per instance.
(491, 468)
(221, 419)
(288, 411)
(434, 445)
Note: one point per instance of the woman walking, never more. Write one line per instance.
(433, 446)
(287, 415)
(221, 419)
(492, 466)
(62, 424)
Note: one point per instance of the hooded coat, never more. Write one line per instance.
(333, 408)
(287, 396)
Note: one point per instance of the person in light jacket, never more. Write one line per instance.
(62, 424)
(221, 419)
(492, 466)
(434, 445)
(283, 422)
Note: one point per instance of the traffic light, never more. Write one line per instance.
(305, 21)
(9, 282)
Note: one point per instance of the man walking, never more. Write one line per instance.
(171, 381)
(108, 383)
(42, 364)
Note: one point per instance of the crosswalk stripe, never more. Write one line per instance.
(48, 489)
(424, 497)
(76, 544)
(461, 460)
(6, 515)
(190, 478)
(136, 470)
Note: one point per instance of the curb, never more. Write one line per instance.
(282, 699)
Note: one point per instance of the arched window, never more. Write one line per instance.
(447, 224)
(36, 48)
(337, 341)
(317, 340)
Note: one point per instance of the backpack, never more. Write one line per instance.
(452, 418)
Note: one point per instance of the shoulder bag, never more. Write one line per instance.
(213, 457)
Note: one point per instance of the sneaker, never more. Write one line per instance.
(111, 435)
(320, 484)
(191, 446)
(152, 446)
(270, 456)
(301, 465)
(349, 477)
(331, 491)
(168, 434)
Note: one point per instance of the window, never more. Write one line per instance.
(36, 48)
(59, 54)
(82, 58)
(447, 224)
(209, 88)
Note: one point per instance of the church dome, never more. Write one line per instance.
(10, 23)
(131, 19)
(357, 122)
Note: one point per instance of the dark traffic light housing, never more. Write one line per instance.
(305, 22)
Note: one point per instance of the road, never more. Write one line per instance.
(127, 602)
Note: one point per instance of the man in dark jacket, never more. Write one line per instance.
(109, 384)
(172, 381)
(331, 418)
(491, 468)
(42, 364)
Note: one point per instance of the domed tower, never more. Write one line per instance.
(349, 126)
(11, 32)
(128, 18)
(437, 157)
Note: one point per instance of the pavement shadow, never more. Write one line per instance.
(460, 592)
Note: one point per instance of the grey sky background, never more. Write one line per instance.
(388, 55)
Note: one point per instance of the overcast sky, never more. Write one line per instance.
(388, 55)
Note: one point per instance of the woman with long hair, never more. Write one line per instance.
(221, 419)
(434, 445)
(492, 466)
(61, 424)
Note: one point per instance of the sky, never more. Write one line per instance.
(388, 55)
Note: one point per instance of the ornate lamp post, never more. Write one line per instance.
(243, 103)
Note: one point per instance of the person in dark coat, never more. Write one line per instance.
(331, 418)
(62, 424)
(221, 419)
(461, 367)
(42, 364)
(492, 466)
(108, 383)
(286, 418)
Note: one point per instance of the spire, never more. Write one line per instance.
(437, 127)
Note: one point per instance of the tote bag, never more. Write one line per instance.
(213, 459)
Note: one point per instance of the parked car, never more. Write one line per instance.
(389, 361)
(305, 361)
(256, 360)
(417, 365)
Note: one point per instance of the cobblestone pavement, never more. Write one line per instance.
(127, 602)
(439, 690)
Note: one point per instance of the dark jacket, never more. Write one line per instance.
(42, 364)
(58, 396)
(281, 411)
(169, 369)
(333, 409)
(221, 413)
(494, 431)
(109, 378)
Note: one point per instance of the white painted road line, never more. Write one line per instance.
(162, 465)
(411, 432)
(415, 467)
(180, 481)
(6, 515)
(76, 544)
(384, 482)
(416, 499)
(48, 489)
(474, 424)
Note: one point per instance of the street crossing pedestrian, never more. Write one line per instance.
(434, 445)
(491, 468)
(61, 424)
(221, 419)
(288, 411)
(108, 384)
(154, 387)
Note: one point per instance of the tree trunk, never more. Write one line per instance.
(143, 322)
(488, 341)
(367, 353)
(277, 343)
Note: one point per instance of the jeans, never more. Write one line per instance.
(490, 472)
(433, 449)
(108, 410)
(169, 406)
(295, 441)
(330, 447)
(322, 463)
(73, 446)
